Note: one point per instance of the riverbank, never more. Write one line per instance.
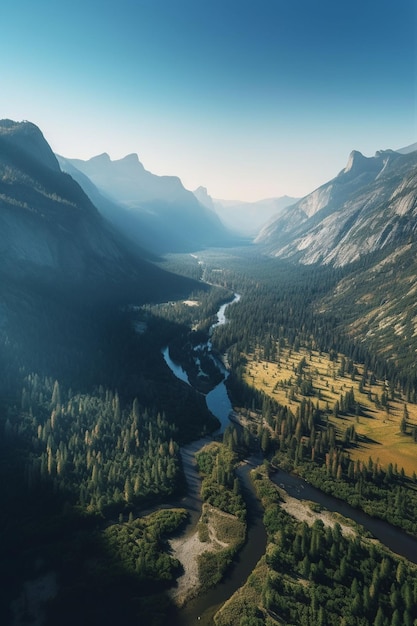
(317, 558)
(304, 511)
(208, 537)
(187, 549)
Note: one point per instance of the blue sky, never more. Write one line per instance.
(251, 99)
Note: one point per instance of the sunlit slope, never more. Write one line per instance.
(304, 375)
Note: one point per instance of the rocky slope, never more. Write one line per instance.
(369, 205)
(47, 222)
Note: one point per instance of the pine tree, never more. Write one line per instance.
(128, 491)
(56, 395)
(404, 421)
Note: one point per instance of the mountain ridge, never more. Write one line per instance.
(156, 212)
(355, 213)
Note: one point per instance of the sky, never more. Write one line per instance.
(249, 98)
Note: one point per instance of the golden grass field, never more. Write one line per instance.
(386, 444)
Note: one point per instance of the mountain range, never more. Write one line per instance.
(245, 217)
(99, 216)
(364, 222)
(155, 212)
(79, 242)
(370, 205)
(68, 277)
(47, 221)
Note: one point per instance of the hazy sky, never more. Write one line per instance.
(249, 98)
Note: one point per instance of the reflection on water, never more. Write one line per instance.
(217, 399)
(218, 402)
(174, 367)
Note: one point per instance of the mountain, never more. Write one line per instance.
(49, 226)
(50, 230)
(205, 199)
(408, 149)
(66, 272)
(120, 217)
(370, 205)
(156, 212)
(47, 222)
(245, 217)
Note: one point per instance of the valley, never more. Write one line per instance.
(306, 379)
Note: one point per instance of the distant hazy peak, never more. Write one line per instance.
(104, 161)
(408, 149)
(203, 196)
(131, 158)
(28, 138)
(127, 181)
(103, 157)
(202, 191)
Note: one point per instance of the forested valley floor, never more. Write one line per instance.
(92, 421)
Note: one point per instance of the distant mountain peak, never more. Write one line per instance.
(156, 211)
(202, 195)
(131, 158)
(358, 164)
(101, 157)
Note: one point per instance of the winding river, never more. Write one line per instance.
(202, 609)
(217, 399)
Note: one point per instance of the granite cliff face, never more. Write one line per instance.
(370, 204)
(46, 221)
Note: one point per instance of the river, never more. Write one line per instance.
(202, 608)
(217, 399)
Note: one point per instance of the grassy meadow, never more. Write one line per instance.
(378, 426)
